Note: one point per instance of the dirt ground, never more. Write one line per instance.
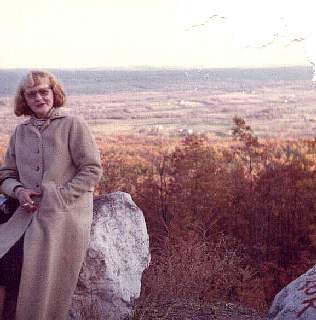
(192, 311)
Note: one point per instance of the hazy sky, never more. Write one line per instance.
(174, 33)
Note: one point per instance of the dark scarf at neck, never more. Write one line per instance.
(41, 123)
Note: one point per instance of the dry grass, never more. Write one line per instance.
(190, 279)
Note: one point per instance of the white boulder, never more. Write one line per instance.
(297, 300)
(110, 279)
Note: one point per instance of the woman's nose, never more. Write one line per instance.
(38, 97)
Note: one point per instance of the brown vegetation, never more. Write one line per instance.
(227, 222)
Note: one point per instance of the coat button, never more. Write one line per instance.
(37, 168)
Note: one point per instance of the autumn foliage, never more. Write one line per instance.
(227, 221)
(233, 221)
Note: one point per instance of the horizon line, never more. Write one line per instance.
(143, 68)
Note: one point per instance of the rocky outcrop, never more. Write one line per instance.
(118, 253)
(297, 300)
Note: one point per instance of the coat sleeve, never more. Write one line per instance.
(86, 158)
(9, 176)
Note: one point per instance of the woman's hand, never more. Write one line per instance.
(24, 196)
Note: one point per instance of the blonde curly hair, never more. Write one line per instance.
(32, 79)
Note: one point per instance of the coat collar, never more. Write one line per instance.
(56, 115)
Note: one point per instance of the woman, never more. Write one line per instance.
(51, 166)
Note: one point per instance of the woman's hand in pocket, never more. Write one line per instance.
(25, 198)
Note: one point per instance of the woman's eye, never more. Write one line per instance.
(42, 92)
(31, 94)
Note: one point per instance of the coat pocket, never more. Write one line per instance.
(52, 198)
(71, 199)
(60, 196)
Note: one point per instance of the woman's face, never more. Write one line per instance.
(40, 99)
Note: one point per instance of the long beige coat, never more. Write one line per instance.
(62, 162)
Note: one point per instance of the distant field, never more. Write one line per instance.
(272, 112)
(273, 107)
